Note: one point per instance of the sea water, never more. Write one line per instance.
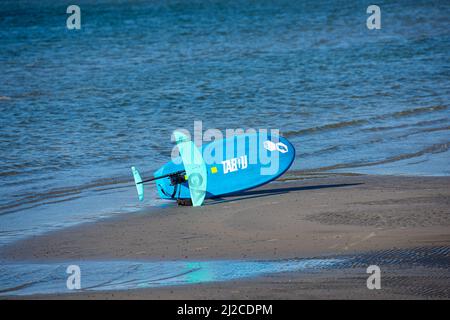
(80, 107)
(21, 278)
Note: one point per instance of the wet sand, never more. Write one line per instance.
(309, 217)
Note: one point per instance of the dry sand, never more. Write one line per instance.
(289, 219)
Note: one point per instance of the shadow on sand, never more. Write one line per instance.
(251, 194)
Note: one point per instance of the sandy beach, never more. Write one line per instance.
(312, 216)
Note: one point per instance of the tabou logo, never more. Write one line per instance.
(235, 164)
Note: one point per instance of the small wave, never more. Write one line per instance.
(427, 130)
(401, 126)
(9, 173)
(375, 129)
(433, 149)
(412, 112)
(330, 126)
(32, 200)
(320, 151)
(359, 122)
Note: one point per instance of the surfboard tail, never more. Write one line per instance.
(138, 183)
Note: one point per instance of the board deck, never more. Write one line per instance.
(233, 164)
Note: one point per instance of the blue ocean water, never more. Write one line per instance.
(79, 107)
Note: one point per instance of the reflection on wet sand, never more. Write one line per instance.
(50, 278)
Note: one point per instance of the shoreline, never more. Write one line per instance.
(339, 214)
(294, 218)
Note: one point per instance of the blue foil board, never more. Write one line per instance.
(234, 164)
